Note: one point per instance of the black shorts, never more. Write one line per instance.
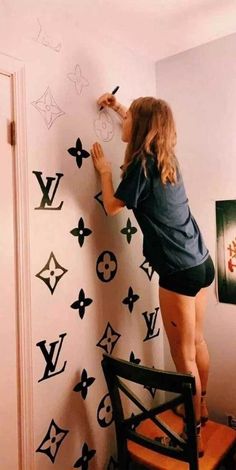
(191, 280)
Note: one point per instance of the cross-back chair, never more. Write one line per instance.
(139, 437)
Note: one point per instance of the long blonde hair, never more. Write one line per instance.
(153, 132)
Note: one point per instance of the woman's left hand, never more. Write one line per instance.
(99, 160)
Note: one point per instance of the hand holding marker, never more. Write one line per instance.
(113, 93)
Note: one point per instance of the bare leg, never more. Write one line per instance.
(179, 319)
(202, 355)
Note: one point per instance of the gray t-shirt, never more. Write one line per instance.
(172, 240)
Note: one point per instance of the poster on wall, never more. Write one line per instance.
(226, 250)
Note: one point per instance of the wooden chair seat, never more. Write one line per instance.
(217, 439)
(136, 434)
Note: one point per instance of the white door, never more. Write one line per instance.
(9, 447)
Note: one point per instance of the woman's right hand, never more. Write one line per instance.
(107, 99)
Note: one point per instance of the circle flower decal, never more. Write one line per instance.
(105, 412)
(106, 266)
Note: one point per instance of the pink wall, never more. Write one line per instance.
(200, 85)
(61, 108)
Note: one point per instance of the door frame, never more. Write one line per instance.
(15, 69)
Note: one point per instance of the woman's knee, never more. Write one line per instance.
(182, 354)
(199, 341)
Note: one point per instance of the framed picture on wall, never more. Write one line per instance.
(226, 250)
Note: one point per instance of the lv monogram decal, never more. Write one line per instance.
(150, 319)
(47, 200)
(51, 357)
(52, 441)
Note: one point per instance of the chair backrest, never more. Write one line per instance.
(181, 384)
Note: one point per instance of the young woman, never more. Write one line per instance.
(153, 188)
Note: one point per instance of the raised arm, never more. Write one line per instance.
(109, 100)
(112, 205)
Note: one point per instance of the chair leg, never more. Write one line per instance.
(194, 466)
(123, 463)
(123, 457)
(136, 466)
(230, 460)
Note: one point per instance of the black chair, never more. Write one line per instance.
(139, 437)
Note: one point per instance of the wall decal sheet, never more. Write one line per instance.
(108, 339)
(98, 198)
(112, 465)
(148, 269)
(78, 152)
(51, 273)
(134, 359)
(150, 320)
(106, 266)
(81, 232)
(51, 356)
(46, 188)
(52, 441)
(130, 299)
(129, 231)
(105, 412)
(84, 384)
(82, 303)
(152, 390)
(87, 455)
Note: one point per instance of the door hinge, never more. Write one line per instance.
(13, 133)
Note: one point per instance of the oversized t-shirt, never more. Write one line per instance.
(172, 240)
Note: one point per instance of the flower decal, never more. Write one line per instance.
(109, 339)
(147, 268)
(81, 232)
(151, 390)
(134, 359)
(133, 426)
(129, 231)
(98, 198)
(104, 127)
(51, 273)
(84, 384)
(105, 412)
(48, 108)
(81, 303)
(78, 152)
(112, 465)
(130, 299)
(87, 455)
(106, 266)
(52, 441)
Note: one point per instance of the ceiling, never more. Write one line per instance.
(158, 28)
(152, 28)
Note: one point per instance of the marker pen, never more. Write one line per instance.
(113, 93)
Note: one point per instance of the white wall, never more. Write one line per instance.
(200, 85)
(50, 45)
